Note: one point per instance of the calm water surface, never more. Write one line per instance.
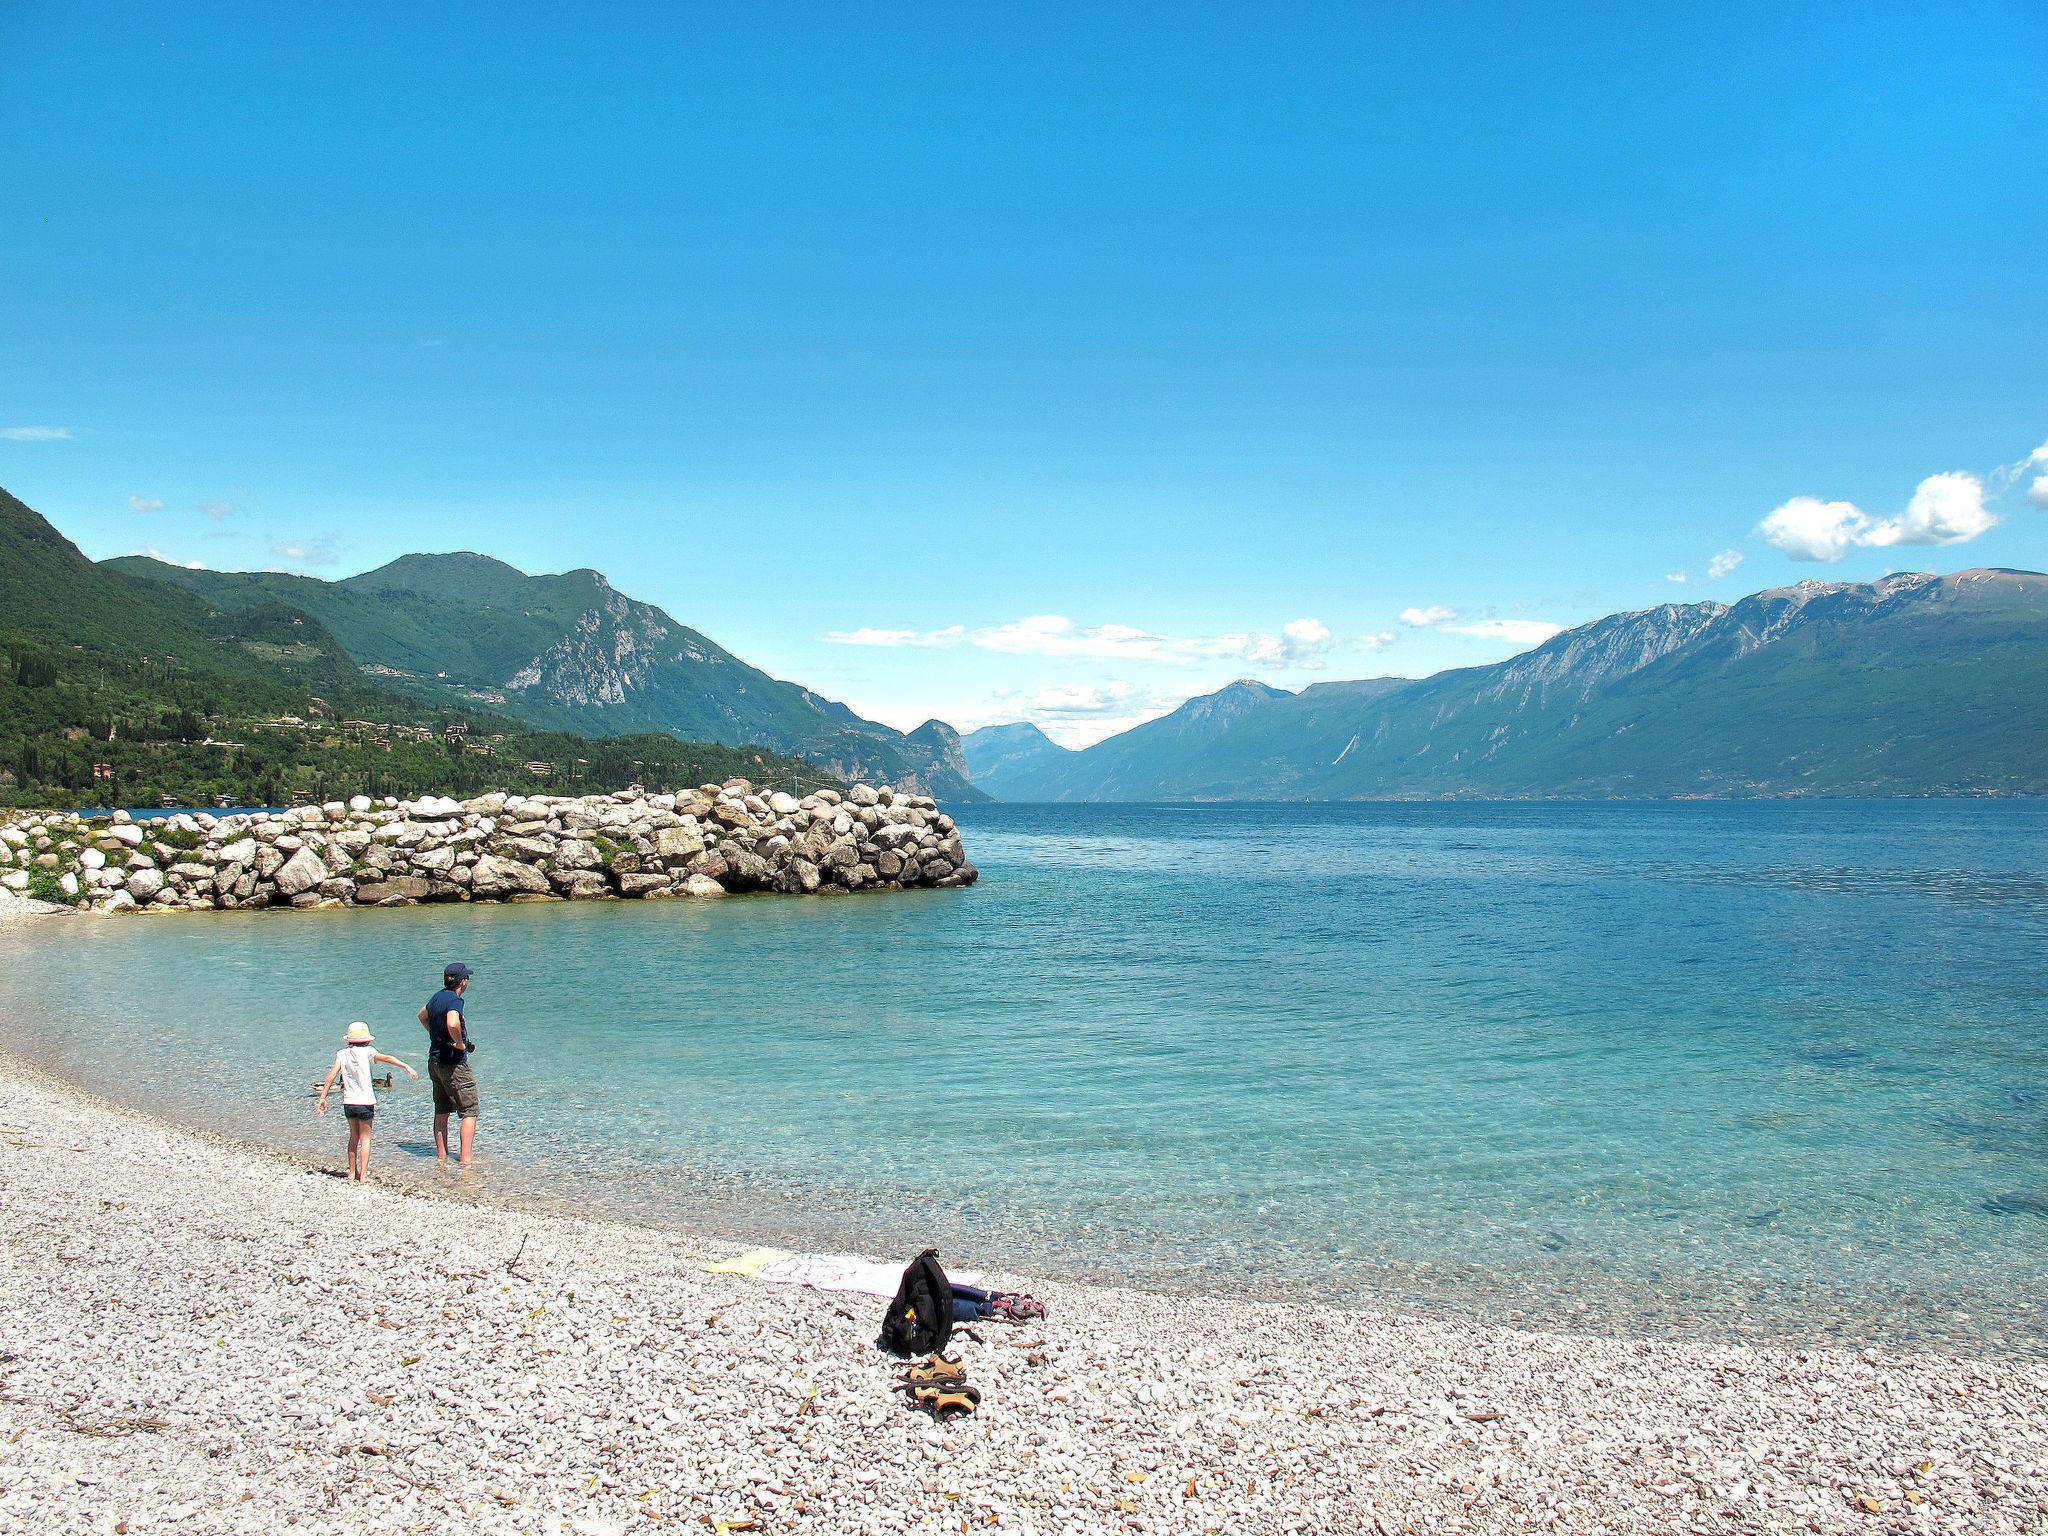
(1770, 1070)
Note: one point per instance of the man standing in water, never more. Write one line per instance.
(449, 1044)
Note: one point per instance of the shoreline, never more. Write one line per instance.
(200, 1333)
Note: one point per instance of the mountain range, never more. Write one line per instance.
(1910, 685)
(570, 653)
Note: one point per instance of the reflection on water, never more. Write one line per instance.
(1763, 1070)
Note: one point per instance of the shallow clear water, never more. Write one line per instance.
(1775, 1070)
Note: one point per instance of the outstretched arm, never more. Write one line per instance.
(326, 1083)
(393, 1061)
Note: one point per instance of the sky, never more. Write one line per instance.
(1040, 363)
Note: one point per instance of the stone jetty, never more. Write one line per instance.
(717, 839)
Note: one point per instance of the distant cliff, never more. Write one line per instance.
(1912, 685)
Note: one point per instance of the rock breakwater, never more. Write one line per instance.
(717, 839)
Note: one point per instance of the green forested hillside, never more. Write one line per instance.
(125, 691)
(571, 653)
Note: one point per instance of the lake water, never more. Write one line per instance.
(1758, 1070)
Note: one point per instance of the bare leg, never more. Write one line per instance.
(356, 1137)
(468, 1137)
(440, 1138)
(363, 1152)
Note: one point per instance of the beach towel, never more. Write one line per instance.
(820, 1271)
(749, 1263)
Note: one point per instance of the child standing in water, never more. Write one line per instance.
(352, 1065)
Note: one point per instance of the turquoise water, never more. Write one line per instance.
(1769, 1070)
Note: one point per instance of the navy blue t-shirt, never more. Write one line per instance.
(441, 1049)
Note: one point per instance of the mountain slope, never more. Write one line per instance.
(263, 655)
(571, 653)
(1910, 685)
(1004, 759)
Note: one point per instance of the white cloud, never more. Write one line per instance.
(157, 554)
(320, 552)
(1807, 528)
(1378, 642)
(145, 504)
(219, 511)
(1520, 631)
(1723, 563)
(1679, 577)
(1422, 618)
(1300, 643)
(36, 434)
(951, 635)
(1945, 509)
(1061, 701)
(1074, 715)
(2037, 493)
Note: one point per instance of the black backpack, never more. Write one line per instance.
(920, 1320)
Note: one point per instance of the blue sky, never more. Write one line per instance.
(1040, 362)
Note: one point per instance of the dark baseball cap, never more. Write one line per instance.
(455, 971)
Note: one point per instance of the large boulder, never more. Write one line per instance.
(496, 877)
(393, 892)
(300, 873)
(580, 884)
(701, 885)
(575, 853)
(678, 845)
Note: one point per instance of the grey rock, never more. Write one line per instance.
(678, 844)
(400, 888)
(300, 874)
(494, 876)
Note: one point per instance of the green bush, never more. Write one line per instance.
(43, 886)
(181, 838)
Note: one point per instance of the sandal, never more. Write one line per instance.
(936, 1371)
(945, 1402)
(1015, 1307)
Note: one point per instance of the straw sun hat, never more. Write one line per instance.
(358, 1034)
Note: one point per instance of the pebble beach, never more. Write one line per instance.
(201, 1336)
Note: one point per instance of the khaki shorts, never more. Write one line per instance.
(454, 1088)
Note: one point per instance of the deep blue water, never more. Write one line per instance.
(1764, 1069)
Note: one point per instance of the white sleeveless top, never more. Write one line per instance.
(356, 1062)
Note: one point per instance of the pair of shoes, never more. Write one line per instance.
(1015, 1307)
(936, 1371)
(939, 1386)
